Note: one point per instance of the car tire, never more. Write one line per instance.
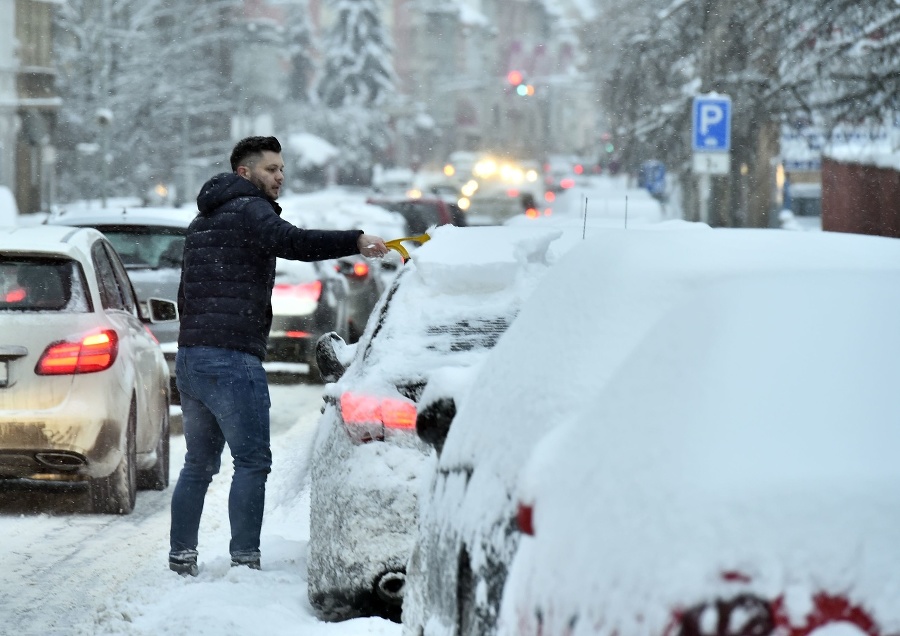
(115, 494)
(157, 476)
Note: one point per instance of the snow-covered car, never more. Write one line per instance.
(150, 242)
(712, 294)
(445, 309)
(84, 391)
(737, 472)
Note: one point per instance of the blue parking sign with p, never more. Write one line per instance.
(712, 123)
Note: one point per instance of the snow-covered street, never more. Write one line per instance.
(70, 573)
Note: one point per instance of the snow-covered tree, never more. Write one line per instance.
(356, 86)
(358, 68)
(300, 48)
(829, 59)
(160, 68)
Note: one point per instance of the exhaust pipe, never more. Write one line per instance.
(60, 460)
(389, 587)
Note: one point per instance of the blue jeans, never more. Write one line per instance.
(224, 398)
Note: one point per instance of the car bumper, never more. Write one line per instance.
(78, 440)
(361, 527)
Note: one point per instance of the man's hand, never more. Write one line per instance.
(371, 246)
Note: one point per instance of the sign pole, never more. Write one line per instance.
(703, 187)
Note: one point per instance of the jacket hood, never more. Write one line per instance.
(225, 187)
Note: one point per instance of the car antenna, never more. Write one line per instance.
(584, 229)
(626, 211)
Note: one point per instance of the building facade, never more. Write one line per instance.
(28, 103)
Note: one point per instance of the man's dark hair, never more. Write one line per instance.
(251, 148)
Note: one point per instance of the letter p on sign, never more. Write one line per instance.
(712, 123)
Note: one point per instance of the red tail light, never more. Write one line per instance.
(309, 291)
(566, 183)
(367, 411)
(525, 519)
(93, 353)
(578, 169)
(360, 270)
(15, 296)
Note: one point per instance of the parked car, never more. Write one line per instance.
(422, 213)
(84, 392)
(694, 367)
(150, 242)
(443, 312)
(313, 298)
(733, 470)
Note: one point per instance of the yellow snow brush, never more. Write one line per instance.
(397, 244)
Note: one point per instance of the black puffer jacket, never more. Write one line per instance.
(225, 297)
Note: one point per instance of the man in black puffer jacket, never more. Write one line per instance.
(225, 306)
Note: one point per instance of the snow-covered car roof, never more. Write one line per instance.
(455, 297)
(742, 420)
(124, 215)
(48, 239)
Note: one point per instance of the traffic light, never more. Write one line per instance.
(517, 80)
(607, 140)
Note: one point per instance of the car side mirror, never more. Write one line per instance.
(330, 366)
(433, 422)
(161, 310)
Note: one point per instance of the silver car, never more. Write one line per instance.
(84, 391)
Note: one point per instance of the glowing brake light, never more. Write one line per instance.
(306, 291)
(360, 270)
(358, 409)
(566, 183)
(15, 295)
(93, 353)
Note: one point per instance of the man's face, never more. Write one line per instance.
(267, 173)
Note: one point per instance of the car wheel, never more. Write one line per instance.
(157, 476)
(115, 494)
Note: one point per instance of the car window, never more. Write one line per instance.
(42, 284)
(110, 294)
(146, 247)
(122, 279)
